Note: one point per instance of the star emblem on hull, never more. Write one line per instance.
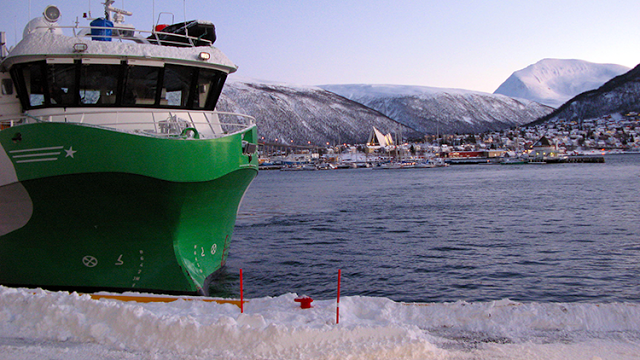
(70, 152)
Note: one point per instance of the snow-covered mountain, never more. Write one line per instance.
(437, 110)
(554, 81)
(305, 114)
(619, 95)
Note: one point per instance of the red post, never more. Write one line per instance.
(338, 303)
(241, 295)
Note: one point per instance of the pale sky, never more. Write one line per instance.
(465, 44)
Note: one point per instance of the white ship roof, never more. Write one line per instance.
(47, 44)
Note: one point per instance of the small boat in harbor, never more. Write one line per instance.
(513, 161)
(116, 172)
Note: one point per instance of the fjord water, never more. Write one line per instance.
(530, 233)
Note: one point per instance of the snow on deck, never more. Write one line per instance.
(50, 44)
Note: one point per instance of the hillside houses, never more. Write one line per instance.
(616, 132)
(610, 132)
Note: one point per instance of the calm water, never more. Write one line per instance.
(559, 233)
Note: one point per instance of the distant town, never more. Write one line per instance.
(551, 142)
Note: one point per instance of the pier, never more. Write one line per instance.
(585, 159)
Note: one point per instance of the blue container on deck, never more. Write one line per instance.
(99, 31)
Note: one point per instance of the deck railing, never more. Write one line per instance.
(151, 122)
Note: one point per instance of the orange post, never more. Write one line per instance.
(241, 294)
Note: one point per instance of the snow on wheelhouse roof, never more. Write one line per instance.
(49, 44)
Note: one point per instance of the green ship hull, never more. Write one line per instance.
(94, 209)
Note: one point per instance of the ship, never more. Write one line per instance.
(117, 173)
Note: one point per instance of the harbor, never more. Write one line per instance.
(474, 233)
(299, 158)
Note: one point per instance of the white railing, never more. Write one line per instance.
(151, 122)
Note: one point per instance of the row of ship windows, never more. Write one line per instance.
(43, 84)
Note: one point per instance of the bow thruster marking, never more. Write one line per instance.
(89, 261)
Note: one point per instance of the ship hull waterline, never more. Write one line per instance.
(122, 213)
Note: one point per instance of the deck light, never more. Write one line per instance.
(51, 13)
(79, 47)
(204, 56)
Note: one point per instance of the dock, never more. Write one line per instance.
(585, 159)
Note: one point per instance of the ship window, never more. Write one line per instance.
(7, 87)
(99, 84)
(62, 83)
(141, 85)
(209, 86)
(34, 82)
(176, 85)
(84, 83)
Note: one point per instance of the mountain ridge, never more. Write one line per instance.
(433, 110)
(618, 95)
(304, 114)
(554, 81)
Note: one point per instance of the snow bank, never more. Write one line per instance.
(58, 325)
(270, 328)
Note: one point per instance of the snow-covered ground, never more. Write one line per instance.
(36, 324)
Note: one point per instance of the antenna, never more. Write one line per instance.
(184, 10)
(119, 13)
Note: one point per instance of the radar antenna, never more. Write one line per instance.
(118, 14)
